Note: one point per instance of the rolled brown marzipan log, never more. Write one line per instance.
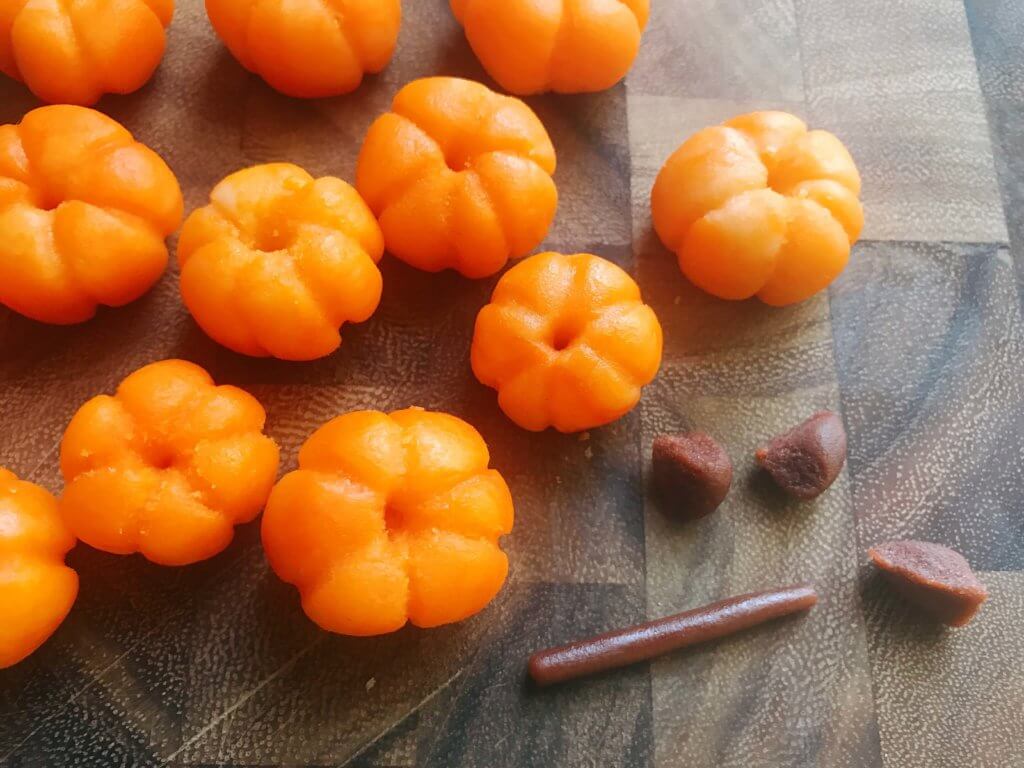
(646, 641)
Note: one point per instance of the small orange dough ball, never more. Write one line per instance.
(390, 518)
(74, 52)
(759, 206)
(567, 342)
(278, 261)
(167, 466)
(459, 177)
(566, 46)
(36, 589)
(84, 211)
(309, 48)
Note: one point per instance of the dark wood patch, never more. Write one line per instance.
(943, 695)
(929, 349)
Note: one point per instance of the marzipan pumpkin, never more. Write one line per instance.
(74, 52)
(567, 46)
(459, 177)
(36, 589)
(759, 206)
(567, 342)
(167, 466)
(278, 261)
(390, 518)
(309, 48)
(84, 211)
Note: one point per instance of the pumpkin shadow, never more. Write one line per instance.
(15, 100)
(456, 59)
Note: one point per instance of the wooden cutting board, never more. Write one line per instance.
(919, 345)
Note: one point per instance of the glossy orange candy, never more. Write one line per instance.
(279, 261)
(760, 206)
(84, 210)
(567, 342)
(74, 52)
(567, 46)
(36, 589)
(459, 176)
(167, 466)
(389, 519)
(309, 48)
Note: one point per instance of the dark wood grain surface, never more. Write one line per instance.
(920, 346)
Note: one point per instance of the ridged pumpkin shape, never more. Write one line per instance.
(459, 177)
(390, 519)
(74, 52)
(278, 261)
(167, 466)
(567, 342)
(36, 589)
(567, 46)
(84, 211)
(309, 48)
(759, 206)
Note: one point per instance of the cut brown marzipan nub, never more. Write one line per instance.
(936, 579)
(807, 459)
(692, 473)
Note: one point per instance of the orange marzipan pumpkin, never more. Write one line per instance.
(74, 52)
(459, 177)
(567, 342)
(84, 210)
(167, 466)
(759, 206)
(390, 518)
(36, 589)
(567, 46)
(309, 48)
(278, 261)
